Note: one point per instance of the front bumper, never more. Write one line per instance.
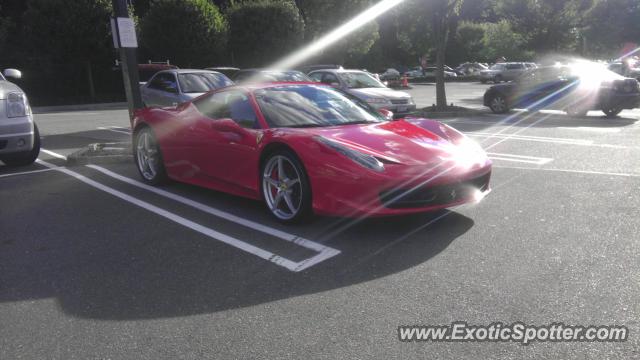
(16, 134)
(399, 190)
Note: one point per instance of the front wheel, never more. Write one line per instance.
(611, 111)
(148, 157)
(285, 187)
(498, 104)
(27, 157)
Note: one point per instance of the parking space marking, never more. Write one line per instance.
(54, 154)
(25, 172)
(520, 158)
(325, 254)
(589, 172)
(118, 129)
(532, 138)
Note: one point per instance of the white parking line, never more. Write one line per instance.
(25, 172)
(216, 212)
(55, 155)
(533, 138)
(117, 129)
(324, 252)
(520, 158)
(589, 172)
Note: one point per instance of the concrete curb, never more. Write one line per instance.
(81, 107)
(102, 153)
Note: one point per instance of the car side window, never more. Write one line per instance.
(329, 78)
(515, 66)
(170, 83)
(234, 105)
(316, 76)
(156, 82)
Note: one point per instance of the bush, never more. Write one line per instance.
(500, 40)
(189, 33)
(264, 31)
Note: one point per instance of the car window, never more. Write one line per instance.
(311, 106)
(165, 82)
(497, 67)
(235, 105)
(202, 82)
(358, 80)
(316, 76)
(330, 78)
(515, 66)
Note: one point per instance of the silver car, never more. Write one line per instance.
(367, 88)
(503, 72)
(172, 87)
(19, 137)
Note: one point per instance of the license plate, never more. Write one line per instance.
(402, 108)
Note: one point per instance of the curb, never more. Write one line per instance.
(102, 153)
(80, 107)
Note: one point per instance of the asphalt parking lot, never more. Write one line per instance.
(94, 265)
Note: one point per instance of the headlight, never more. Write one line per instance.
(17, 105)
(365, 160)
(377, 101)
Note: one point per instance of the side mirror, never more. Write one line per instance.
(13, 73)
(388, 114)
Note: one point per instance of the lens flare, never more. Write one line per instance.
(335, 35)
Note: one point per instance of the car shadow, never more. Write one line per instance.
(164, 277)
(80, 139)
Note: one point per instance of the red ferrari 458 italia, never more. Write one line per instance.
(307, 148)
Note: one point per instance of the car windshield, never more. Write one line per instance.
(358, 80)
(312, 106)
(202, 82)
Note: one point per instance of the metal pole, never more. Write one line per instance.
(128, 64)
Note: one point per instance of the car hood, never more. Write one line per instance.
(7, 87)
(191, 96)
(395, 141)
(386, 93)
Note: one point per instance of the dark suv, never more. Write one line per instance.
(575, 89)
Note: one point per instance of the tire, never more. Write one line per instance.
(148, 157)
(498, 104)
(612, 111)
(285, 187)
(27, 157)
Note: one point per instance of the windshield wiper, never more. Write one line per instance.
(307, 125)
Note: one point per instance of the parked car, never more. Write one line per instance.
(268, 75)
(631, 70)
(228, 71)
(390, 77)
(503, 72)
(309, 148)
(414, 72)
(470, 69)
(19, 136)
(146, 71)
(575, 88)
(367, 88)
(430, 72)
(172, 87)
(309, 68)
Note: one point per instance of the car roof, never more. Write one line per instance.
(258, 86)
(188, 71)
(340, 70)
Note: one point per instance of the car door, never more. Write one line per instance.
(225, 139)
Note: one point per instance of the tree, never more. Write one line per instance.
(467, 44)
(190, 33)
(609, 25)
(263, 31)
(323, 16)
(501, 41)
(546, 25)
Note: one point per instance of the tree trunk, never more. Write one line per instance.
(441, 45)
(92, 88)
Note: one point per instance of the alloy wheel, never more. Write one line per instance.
(282, 187)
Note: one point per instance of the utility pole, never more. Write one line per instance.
(125, 40)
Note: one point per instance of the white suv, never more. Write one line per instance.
(19, 137)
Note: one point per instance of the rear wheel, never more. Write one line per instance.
(285, 187)
(498, 104)
(612, 111)
(148, 157)
(27, 157)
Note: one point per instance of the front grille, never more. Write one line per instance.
(3, 144)
(399, 101)
(433, 195)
